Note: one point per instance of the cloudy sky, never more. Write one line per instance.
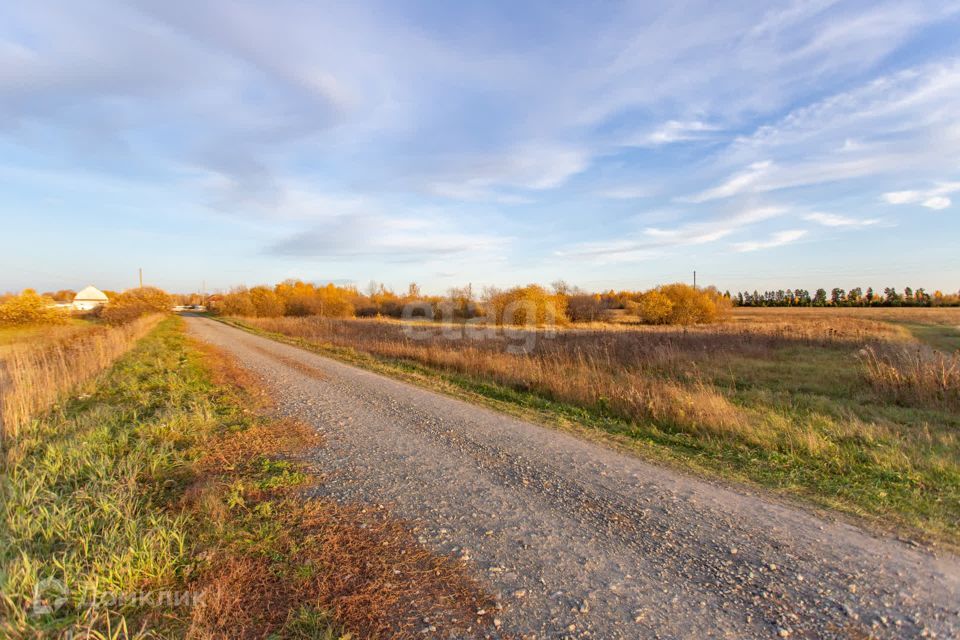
(609, 144)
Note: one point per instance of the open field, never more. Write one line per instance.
(849, 409)
(163, 501)
(937, 326)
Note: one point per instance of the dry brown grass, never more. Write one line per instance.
(35, 375)
(360, 567)
(914, 375)
(10, 336)
(363, 571)
(226, 371)
(644, 375)
(841, 325)
(926, 315)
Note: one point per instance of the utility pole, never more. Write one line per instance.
(141, 277)
(694, 278)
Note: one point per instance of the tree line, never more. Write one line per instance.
(522, 305)
(838, 297)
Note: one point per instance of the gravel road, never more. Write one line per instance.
(578, 540)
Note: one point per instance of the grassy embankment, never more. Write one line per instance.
(843, 410)
(170, 506)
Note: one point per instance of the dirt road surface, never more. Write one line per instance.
(578, 540)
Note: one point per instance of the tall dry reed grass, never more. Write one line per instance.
(638, 374)
(914, 375)
(612, 371)
(35, 375)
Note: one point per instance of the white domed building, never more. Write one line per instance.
(89, 298)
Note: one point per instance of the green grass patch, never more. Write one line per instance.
(945, 337)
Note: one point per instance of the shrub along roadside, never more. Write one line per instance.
(162, 504)
(30, 308)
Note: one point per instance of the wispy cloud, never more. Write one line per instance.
(675, 131)
(626, 193)
(392, 239)
(532, 167)
(747, 180)
(935, 198)
(710, 231)
(778, 239)
(904, 118)
(652, 241)
(834, 220)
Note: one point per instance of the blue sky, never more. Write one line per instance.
(609, 144)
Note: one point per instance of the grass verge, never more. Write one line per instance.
(829, 439)
(162, 502)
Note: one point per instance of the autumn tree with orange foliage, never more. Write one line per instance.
(529, 305)
(30, 308)
(134, 303)
(306, 299)
(653, 307)
(679, 304)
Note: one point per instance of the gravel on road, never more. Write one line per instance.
(578, 540)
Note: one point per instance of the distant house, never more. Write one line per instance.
(89, 298)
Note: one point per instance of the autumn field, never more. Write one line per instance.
(853, 409)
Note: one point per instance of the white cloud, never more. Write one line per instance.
(476, 191)
(935, 198)
(739, 183)
(610, 252)
(937, 202)
(902, 197)
(834, 220)
(674, 131)
(692, 234)
(713, 230)
(776, 240)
